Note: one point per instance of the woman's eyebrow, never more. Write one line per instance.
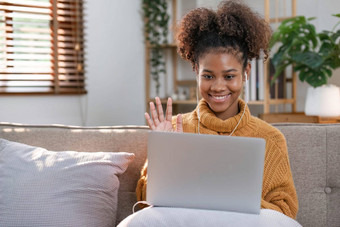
(224, 71)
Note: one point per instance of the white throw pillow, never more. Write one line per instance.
(68, 188)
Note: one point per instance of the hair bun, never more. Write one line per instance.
(233, 25)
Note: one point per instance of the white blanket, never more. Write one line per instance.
(177, 217)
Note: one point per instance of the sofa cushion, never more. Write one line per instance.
(68, 188)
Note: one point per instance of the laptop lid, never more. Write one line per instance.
(205, 171)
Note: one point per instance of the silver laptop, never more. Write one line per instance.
(205, 171)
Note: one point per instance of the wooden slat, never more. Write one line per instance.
(40, 83)
(29, 16)
(69, 38)
(45, 91)
(25, 83)
(31, 30)
(69, 19)
(71, 84)
(29, 36)
(26, 77)
(25, 90)
(20, 9)
(26, 70)
(27, 50)
(69, 58)
(74, 71)
(26, 24)
(66, 45)
(75, 12)
(65, 5)
(27, 3)
(42, 57)
(71, 31)
(29, 56)
(26, 43)
(39, 77)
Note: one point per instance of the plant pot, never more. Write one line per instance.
(323, 101)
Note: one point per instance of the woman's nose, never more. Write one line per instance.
(219, 85)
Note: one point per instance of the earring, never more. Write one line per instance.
(246, 91)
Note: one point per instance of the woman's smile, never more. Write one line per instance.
(219, 98)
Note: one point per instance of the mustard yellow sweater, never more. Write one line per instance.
(278, 190)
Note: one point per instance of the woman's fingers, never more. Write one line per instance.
(154, 114)
(157, 121)
(159, 109)
(150, 123)
(179, 123)
(168, 113)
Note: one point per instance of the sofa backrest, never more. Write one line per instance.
(314, 153)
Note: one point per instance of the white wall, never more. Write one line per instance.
(115, 69)
(115, 62)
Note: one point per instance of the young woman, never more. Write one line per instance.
(220, 44)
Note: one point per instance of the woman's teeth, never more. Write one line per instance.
(219, 97)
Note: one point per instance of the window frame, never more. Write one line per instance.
(66, 64)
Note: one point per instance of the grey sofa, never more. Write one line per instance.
(314, 152)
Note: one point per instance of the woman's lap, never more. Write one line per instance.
(161, 216)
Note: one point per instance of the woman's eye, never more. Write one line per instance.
(207, 76)
(229, 77)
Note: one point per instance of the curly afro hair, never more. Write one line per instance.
(233, 28)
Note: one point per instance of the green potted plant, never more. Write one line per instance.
(156, 19)
(314, 56)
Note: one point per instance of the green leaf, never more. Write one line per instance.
(335, 36)
(310, 59)
(311, 18)
(316, 79)
(303, 75)
(336, 15)
(327, 72)
(326, 48)
(324, 35)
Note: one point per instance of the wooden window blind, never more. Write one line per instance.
(41, 47)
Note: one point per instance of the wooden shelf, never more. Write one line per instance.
(298, 117)
(281, 101)
(258, 102)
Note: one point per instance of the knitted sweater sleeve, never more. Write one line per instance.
(278, 190)
(141, 185)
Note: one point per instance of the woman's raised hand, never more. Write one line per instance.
(161, 123)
